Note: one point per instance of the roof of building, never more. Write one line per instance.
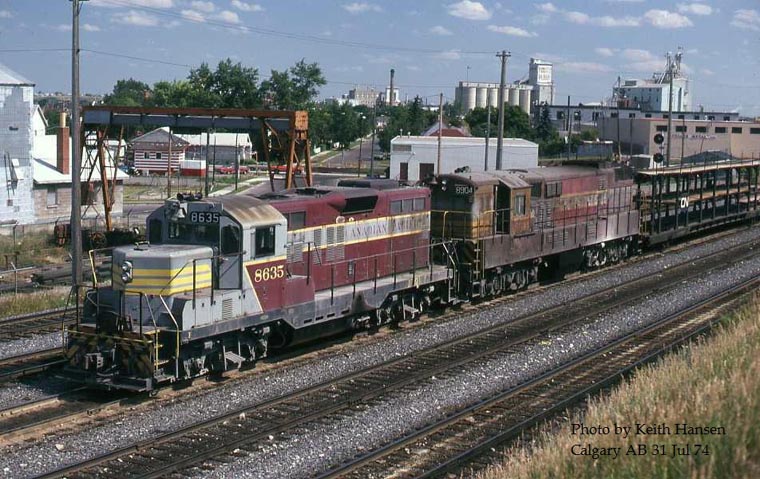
(161, 135)
(447, 131)
(464, 141)
(218, 139)
(44, 165)
(9, 77)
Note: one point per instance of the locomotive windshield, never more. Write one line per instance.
(184, 233)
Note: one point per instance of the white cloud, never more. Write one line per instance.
(469, 10)
(440, 30)
(605, 52)
(604, 21)
(514, 31)
(413, 68)
(227, 16)
(547, 7)
(666, 19)
(356, 8)
(747, 19)
(130, 3)
(88, 27)
(200, 6)
(539, 19)
(5, 14)
(193, 16)
(583, 67)
(247, 7)
(638, 55)
(136, 18)
(695, 8)
(707, 72)
(449, 55)
(63, 27)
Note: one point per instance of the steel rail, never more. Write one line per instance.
(280, 414)
(529, 402)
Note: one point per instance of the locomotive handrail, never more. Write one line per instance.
(176, 329)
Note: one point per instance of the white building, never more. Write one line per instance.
(654, 94)
(16, 141)
(541, 79)
(415, 157)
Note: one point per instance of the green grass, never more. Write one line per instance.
(714, 383)
(32, 249)
(12, 305)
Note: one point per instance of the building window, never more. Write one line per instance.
(681, 117)
(665, 116)
(648, 115)
(662, 128)
(711, 117)
(146, 155)
(402, 147)
(754, 131)
(720, 129)
(613, 115)
(701, 129)
(560, 115)
(680, 129)
(520, 205)
(696, 117)
(632, 115)
(52, 196)
(158, 156)
(726, 118)
(736, 130)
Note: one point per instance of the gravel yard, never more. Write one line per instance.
(338, 440)
(32, 344)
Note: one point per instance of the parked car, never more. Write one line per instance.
(284, 168)
(230, 170)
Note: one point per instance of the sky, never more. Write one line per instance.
(431, 44)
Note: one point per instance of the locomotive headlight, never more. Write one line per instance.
(126, 271)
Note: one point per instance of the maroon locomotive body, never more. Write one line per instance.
(509, 226)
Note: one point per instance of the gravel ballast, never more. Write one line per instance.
(143, 423)
(321, 446)
(32, 344)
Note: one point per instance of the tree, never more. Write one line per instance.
(129, 92)
(293, 89)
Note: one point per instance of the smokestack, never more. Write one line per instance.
(63, 151)
(391, 96)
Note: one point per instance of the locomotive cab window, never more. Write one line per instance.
(155, 235)
(230, 239)
(264, 241)
(519, 205)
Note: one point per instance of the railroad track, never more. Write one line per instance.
(28, 364)
(243, 429)
(23, 326)
(479, 433)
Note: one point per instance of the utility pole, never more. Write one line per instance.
(670, 108)
(372, 146)
(208, 144)
(169, 168)
(440, 130)
(502, 85)
(76, 159)
(488, 134)
(569, 127)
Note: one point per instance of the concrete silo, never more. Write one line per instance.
(525, 100)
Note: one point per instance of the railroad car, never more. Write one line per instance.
(224, 279)
(510, 226)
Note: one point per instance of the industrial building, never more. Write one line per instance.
(585, 116)
(363, 96)
(739, 139)
(655, 94)
(415, 157)
(538, 89)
